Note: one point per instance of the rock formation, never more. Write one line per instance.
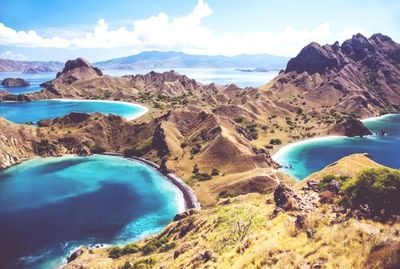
(361, 76)
(351, 127)
(14, 82)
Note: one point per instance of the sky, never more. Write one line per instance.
(99, 30)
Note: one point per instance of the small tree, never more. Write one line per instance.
(214, 172)
(196, 169)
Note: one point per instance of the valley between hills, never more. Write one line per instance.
(219, 139)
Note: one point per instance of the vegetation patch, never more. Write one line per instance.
(379, 189)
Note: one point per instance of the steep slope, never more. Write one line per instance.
(361, 76)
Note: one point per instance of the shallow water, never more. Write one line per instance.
(22, 112)
(50, 206)
(303, 158)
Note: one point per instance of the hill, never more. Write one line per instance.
(29, 67)
(172, 59)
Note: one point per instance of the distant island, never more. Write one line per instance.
(160, 59)
(173, 59)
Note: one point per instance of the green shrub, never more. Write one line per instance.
(275, 141)
(147, 263)
(225, 194)
(214, 172)
(130, 248)
(168, 246)
(116, 252)
(329, 178)
(238, 120)
(196, 169)
(153, 245)
(253, 130)
(202, 176)
(138, 151)
(97, 149)
(377, 188)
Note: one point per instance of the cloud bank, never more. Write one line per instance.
(186, 33)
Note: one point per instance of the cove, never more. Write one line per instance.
(51, 206)
(23, 112)
(302, 158)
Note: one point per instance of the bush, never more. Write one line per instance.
(202, 176)
(167, 247)
(153, 245)
(97, 149)
(137, 151)
(377, 188)
(116, 252)
(275, 141)
(196, 169)
(214, 172)
(328, 179)
(238, 120)
(253, 130)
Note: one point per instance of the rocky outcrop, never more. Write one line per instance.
(79, 63)
(71, 118)
(81, 251)
(351, 127)
(285, 198)
(15, 143)
(316, 59)
(14, 82)
(360, 76)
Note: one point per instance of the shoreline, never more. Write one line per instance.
(284, 148)
(282, 151)
(137, 105)
(189, 196)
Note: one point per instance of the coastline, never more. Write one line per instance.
(143, 108)
(278, 156)
(189, 196)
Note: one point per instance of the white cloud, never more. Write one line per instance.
(9, 55)
(9, 36)
(186, 33)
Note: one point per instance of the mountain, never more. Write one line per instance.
(29, 67)
(172, 59)
(360, 76)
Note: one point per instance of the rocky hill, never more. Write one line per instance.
(360, 76)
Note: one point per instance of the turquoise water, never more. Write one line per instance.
(203, 75)
(303, 158)
(22, 112)
(50, 206)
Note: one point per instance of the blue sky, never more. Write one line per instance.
(98, 30)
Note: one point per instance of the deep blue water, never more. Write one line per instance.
(303, 158)
(50, 206)
(22, 112)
